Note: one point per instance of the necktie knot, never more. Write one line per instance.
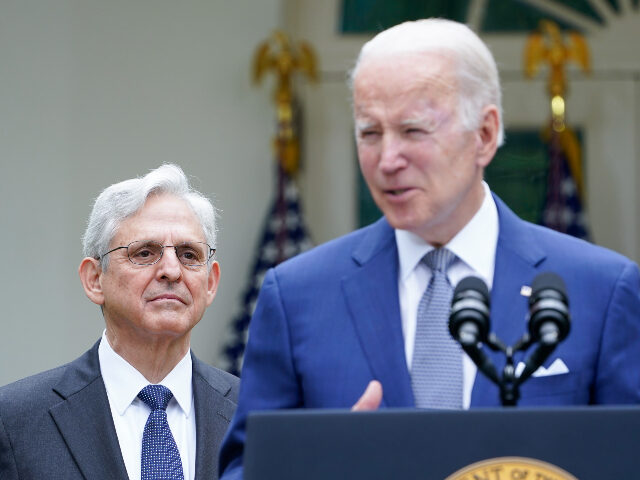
(439, 259)
(155, 396)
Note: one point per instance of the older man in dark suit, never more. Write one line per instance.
(138, 404)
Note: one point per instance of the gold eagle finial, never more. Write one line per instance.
(548, 46)
(277, 54)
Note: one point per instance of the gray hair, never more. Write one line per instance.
(479, 83)
(122, 200)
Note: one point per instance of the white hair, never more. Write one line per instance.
(122, 200)
(478, 80)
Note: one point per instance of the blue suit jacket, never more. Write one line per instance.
(328, 321)
(58, 424)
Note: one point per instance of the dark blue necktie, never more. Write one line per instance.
(160, 456)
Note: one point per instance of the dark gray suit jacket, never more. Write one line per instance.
(58, 425)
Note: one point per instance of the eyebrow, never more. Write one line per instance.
(364, 125)
(414, 122)
(428, 120)
(425, 124)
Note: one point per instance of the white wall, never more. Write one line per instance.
(93, 92)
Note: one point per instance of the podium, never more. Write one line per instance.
(587, 443)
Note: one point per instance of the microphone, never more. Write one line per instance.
(469, 322)
(549, 319)
(469, 317)
(548, 309)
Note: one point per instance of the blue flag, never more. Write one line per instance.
(563, 210)
(284, 235)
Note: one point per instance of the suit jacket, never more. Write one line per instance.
(58, 424)
(328, 321)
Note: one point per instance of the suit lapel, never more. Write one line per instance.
(84, 420)
(213, 414)
(517, 259)
(371, 293)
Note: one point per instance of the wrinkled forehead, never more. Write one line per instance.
(408, 66)
(397, 75)
(162, 216)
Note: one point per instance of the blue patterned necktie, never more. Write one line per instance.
(436, 369)
(160, 456)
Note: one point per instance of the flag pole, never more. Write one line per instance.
(278, 55)
(284, 233)
(563, 208)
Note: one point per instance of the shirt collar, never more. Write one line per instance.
(123, 382)
(475, 244)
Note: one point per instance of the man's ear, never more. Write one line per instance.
(488, 135)
(90, 271)
(212, 282)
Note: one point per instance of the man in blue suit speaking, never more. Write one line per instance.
(357, 313)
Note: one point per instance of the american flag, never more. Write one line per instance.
(563, 210)
(284, 235)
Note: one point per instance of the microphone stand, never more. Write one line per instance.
(509, 384)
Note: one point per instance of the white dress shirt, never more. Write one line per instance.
(475, 250)
(123, 383)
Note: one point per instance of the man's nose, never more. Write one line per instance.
(391, 154)
(169, 267)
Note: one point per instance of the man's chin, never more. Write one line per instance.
(168, 325)
(404, 222)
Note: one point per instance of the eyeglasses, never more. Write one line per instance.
(190, 254)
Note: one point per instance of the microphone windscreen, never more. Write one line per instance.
(547, 281)
(472, 283)
(470, 303)
(548, 307)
